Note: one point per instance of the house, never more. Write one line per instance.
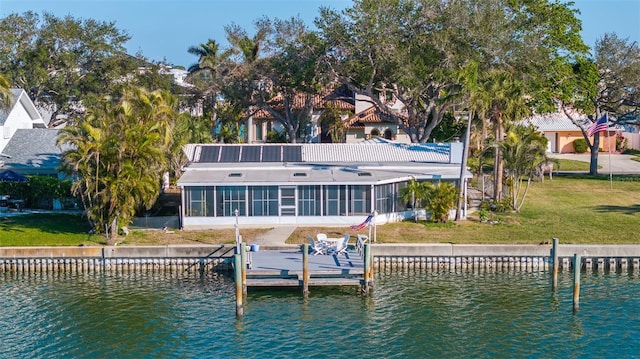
(308, 184)
(362, 120)
(20, 114)
(34, 152)
(262, 122)
(561, 131)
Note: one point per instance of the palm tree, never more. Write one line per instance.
(503, 97)
(440, 200)
(524, 150)
(209, 68)
(414, 193)
(119, 155)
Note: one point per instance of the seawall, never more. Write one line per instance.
(430, 256)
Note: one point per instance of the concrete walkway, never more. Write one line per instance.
(275, 237)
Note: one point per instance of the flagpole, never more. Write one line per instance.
(610, 171)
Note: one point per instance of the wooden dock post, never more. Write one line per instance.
(243, 257)
(371, 266)
(577, 266)
(237, 271)
(367, 268)
(305, 270)
(554, 271)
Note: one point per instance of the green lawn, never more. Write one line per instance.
(575, 209)
(46, 229)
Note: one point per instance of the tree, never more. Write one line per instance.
(119, 156)
(62, 63)
(280, 81)
(207, 72)
(440, 199)
(609, 84)
(524, 150)
(414, 193)
(4, 92)
(332, 123)
(188, 129)
(397, 50)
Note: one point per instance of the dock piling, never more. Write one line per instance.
(243, 257)
(577, 266)
(237, 271)
(367, 268)
(305, 269)
(554, 256)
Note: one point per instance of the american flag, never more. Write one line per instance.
(601, 125)
(357, 227)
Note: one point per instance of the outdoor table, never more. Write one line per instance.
(332, 243)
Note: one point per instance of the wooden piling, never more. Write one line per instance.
(554, 256)
(367, 268)
(305, 269)
(577, 266)
(243, 259)
(237, 271)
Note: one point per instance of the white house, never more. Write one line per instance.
(20, 114)
(308, 184)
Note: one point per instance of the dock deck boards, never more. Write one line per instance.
(283, 268)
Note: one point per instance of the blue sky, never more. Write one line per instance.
(164, 30)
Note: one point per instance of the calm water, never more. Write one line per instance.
(409, 315)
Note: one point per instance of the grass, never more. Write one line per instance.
(575, 209)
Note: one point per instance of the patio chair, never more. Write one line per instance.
(317, 247)
(342, 246)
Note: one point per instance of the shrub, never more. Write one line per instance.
(580, 145)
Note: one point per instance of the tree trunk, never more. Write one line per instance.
(498, 166)
(593, 165)
(113, 232)
(463, 167)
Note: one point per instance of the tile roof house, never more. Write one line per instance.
(308, 184)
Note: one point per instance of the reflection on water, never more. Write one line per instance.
(480, 315)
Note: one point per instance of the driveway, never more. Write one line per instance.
(619, 163)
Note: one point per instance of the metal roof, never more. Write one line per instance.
(378, 150)
(336, 174)
(376, 161)
(557, 121)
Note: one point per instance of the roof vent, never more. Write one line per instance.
(299, 174)
(235, 175)
(364, 174)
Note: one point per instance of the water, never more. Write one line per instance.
(409, 315)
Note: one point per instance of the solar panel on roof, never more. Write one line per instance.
(271, 153)
(230, 154)
(292, 154)
(250, 154)
(209, 153)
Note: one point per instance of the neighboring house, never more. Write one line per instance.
(262, 122)
(561, 132)
(34, 152)
(308, 184)
(364, 120)
(20, 114)
(372, 123)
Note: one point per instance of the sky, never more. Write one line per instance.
(163, 30)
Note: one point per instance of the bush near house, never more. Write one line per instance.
(40, 192)
(580, 145)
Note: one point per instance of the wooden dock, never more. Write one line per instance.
(284, 268)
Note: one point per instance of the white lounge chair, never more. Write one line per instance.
(341, 247)
(317, 247)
